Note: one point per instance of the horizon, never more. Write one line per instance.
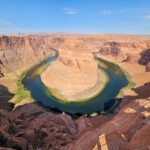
(75, 17)
(67, 33)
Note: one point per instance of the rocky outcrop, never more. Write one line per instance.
(32, 127)
(112, 48)
(139, 140)
(127, 130)
(126, 51)
(145, 59)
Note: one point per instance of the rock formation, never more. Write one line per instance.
(32, 127)
(74, 72)
(145, 59)
(128, 130)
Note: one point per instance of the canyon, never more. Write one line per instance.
(126, 129)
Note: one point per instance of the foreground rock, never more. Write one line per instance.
(32, 127)
(74, 72)
(128, 130)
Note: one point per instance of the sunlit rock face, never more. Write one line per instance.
(17, 51)
(74, 71)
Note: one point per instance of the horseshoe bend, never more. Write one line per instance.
(74, 72)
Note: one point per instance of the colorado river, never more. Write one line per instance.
(102, 102)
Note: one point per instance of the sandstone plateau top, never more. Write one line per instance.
(73, 45)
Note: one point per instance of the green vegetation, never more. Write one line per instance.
(40, 69)
(130, 85)
(102, 64)
(124, 91)
(22, 95)
(56, 94)
(94, 114)
(100, 90)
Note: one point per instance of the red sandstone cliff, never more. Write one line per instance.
(18, 51)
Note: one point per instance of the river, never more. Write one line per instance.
(101, 103)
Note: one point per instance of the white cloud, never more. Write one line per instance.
(147, 17)
(105, 12)
(70, 11)
(5, 22)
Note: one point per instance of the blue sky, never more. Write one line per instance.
(75, 16)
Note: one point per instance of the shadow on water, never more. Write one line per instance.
(142, 92)
(5, 96)
(109, 104)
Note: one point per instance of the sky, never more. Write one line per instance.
(75, 16)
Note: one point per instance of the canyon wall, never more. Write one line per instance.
(20, 51)
(17, 51)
